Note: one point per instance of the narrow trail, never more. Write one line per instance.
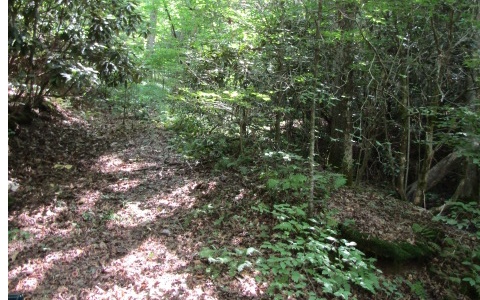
(106, 211)
(110, 213)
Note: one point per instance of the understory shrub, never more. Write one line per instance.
(466, 217)
(306, 259)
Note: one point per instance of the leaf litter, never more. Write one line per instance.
(106, 211)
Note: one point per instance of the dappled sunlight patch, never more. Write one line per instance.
(29, 275)
(132, 215)
(108, 163)
(152, 270)
(112, 163)
(166, 202)
(66, 256)
(247, 285)
(181, 196)
(38, 224)
(124, 185)
(173, 200)
(137, 166)
(149, 256)
(88, 201)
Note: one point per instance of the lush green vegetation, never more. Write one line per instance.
(302, 97)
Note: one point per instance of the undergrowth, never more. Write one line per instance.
(303, 259)
(461, 262)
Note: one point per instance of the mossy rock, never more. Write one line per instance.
(395, 251)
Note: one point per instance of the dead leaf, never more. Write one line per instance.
(13, 256)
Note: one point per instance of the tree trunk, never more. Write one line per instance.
(471, 180)
(402, 179)
(243, 128)
(278, 131)
(316, 61)
(153, 27)
(341, 152)
(422, 182)
(174, 32)
(436, 174)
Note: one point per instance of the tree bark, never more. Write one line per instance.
(341, 152)
(174, 32)
(436, 174)
(402, 179)
(153, 27)
(471, 180)
(316, 61)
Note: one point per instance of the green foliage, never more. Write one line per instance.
(426, 232)
(417, 289)
(304, 251)
(235, 261)
(329, 182)
(209, 148)
(142, 101)
(61, 47)
(301, 254)
(287, 173)
(109, 215)
(461, 263)
(17, 234)
(462, 215)
(11, 132)
(472, 274)
(88, 216)
(460, 129)
(397, 251)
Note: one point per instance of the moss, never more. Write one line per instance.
(396, 251)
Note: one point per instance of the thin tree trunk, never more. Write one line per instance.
(174, 33)
(316, 61)
(436, 89)
(243, 128)
(366, 155)
(341, 152)
(33, 94)
(153, 28)
(347, 161)
(402, 179)
(278, 119)
(422, 183)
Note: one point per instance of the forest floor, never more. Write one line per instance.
(107, 211)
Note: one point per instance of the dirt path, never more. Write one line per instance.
(106, 211)
(103, 212)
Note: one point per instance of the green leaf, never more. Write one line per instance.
(470, 280)
(296, 276)
(285, 226)
(273, 183)
(241, 267)
(251, 250)
(454, 279)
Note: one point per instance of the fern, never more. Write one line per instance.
(426, 232)
(418, 289)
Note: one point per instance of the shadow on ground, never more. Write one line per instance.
(111, 213)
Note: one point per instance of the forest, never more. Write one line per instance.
(244, 149)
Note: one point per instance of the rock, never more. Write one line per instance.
(166, 232)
